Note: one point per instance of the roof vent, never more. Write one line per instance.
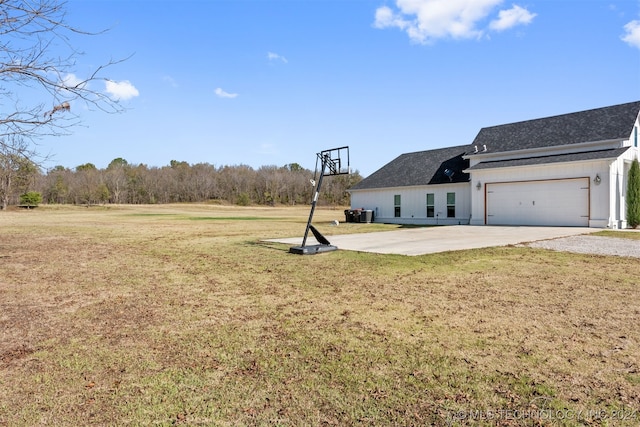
(484, 147)
(449, 173)
(475, 148)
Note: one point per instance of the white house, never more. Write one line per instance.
(566, 170)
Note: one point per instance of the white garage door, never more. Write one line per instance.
(554, 203)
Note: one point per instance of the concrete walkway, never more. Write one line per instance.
(427, 240)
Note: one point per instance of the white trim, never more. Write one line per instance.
(611, 159)
(528, 153)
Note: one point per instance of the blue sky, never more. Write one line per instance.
(273, 82)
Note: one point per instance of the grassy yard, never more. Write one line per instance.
(181, 315)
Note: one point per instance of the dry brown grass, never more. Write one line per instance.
(162, 315)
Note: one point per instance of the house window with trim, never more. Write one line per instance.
(451, 205)
(635, 136)
(396, 206)
(431, 206)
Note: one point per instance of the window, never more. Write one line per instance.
(635, 136)
(431, 208)
(451, 205)
(396, 203)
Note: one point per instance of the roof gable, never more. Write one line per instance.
(600, 124)
(420, 168)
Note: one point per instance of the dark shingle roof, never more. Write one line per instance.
(419, 168)
(558, 158)
(601, 124)
(427, 167)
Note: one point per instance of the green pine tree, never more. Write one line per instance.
(30, 199)
(633, 195)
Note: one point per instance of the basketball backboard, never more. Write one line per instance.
(335, 161)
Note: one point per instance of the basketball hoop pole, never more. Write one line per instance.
(325, 160)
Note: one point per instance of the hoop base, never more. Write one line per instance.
(311, 249)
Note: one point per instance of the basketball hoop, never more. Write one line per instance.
(334, 161)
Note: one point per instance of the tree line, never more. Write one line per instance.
(124, 183)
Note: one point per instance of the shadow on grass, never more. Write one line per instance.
(280, 247)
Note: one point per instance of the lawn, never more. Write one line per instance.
(182, 315)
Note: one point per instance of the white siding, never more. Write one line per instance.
(617, 188)
(414, 204)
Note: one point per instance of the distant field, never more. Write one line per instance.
(181, 315)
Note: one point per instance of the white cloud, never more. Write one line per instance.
(385, 18)
(72, 81)
(123, 90)
(275, 57)
(222, 94)
(632, 36)
(509, 18)
(170, 80)
(428, 20)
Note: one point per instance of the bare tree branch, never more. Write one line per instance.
(36, 55)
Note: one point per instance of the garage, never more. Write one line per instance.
(558, 202)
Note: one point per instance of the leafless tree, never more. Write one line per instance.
(16, 171)
(55, 185)
(122, 182)
(38, 81)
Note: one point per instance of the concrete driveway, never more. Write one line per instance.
(427, 240)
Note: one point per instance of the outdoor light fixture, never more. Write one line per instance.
(597, 179)
(478, 186)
